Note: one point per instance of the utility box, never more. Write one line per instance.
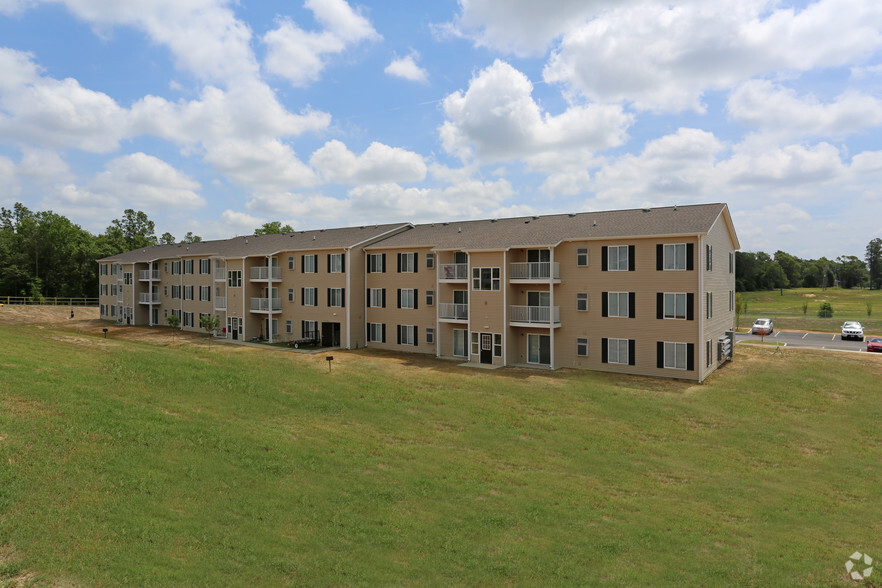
(725, 346)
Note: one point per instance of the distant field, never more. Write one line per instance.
(171, 464)
(786, 311)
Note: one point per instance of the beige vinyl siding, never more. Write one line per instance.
(718, 281)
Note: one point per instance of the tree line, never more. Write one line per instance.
(761, 271)
(44, 254)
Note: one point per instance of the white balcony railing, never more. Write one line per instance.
(263, 304)
(220, 273)
(149, 298)
(539, 315)
(220, 302)
(147, 275)
(264, 273)
(448, 310)
(534, 270)
(453, 271)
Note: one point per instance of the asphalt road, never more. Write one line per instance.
(807, 340)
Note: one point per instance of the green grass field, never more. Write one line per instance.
(130, 464)
(786, 310)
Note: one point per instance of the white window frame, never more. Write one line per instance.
(408, 263)
(290, 294)
(619, 310)
(188, 266)
(309, 296)
(460, 339)
(308, 327)
(430, 260)
(497, 344)
(476, 343)
(335, 260)
(674, 257)
(375, 263)
(335, 297)
(675, 355)
(407, 334)
(204, 266)
(581, 297)
(375, 298)
(408, 298)
(188, 292)
(430, 335)
(582, 257)
(674, 297)
(478, 278)
(309, 264)
(234, 278)
(205, 293)
(290, 262)
(616, 267)
(375, 333)
(430, 298)
(582, 347)
(618, 344)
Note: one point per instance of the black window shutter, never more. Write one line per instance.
(329, 297)
(690, 357)
(384, 264)
(632, 305)
(660, 352)
(690, 256)
(631, 260)
(301, 263)
(384, 332)
(660, 305)
(302, 294)
(416, 262)
(416, 299)
(399, 334)
(343, 297)
(384, 298)
(399, 297)
(632, 346)
(604, 352)
(604, 259)
(329, 263)
(399, 263)
(659, 257)
(604, 304)
(343, 262)
(367, 296)
(416, 335)
(690, 306)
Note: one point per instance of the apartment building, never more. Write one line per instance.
(645, 291)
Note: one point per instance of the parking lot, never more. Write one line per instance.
(807, 340)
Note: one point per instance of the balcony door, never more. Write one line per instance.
(539, 299)
(486, 347)
(539, 349)
(538, 255)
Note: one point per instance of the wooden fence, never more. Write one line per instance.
(49, 301)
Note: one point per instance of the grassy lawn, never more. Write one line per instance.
(133, 464)
(786, 310)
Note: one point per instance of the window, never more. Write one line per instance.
(103, 273)
(618, 351)
(165, 314)
(708, 352)
(407, 263)
(582, 256)
(407, 298)
(407, 335)
(497, 345)
(165, 267)
(539, 349)
(204, 292)
(127, 278)
(113, 269)
(376, 263)
(430, 261)
(675, 356)
(430, 335)
(710, 257)
(308, 264)
(202, 315)
(234, 278)
(430, 298)
(485, 278)
(582, 301)
(176, 268)
(335, 297)
(188, 292)
(290, 294)
(290, 262)
(204, 266)
(376, 333)
(289, 327)
(308, 296)
(335, 263)
(617, 257)
(188, 319)
(459, 343)
(113, 289)
(165, 290)
(582, 346)
(675, 257)
(710, 305)
(618, 304)
(731, 300)
(112, 311)
(376, 297)
(674, 306)
(475, 345)
(731, 263)
(309, 329)
(176, 291)
(188, 266)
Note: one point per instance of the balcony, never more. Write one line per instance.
(539, 271)
(531, 316)
(450, 312)
(263, 304)
(220, 302)
(220, 274)
(148, 275)
(265, 274)
(149, 298)
(453, 272)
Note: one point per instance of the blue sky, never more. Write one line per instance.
(215, 116)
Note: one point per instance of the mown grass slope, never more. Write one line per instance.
(129, 464)
(785, 308)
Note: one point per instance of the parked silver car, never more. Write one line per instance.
(762, 326)
(853, 330)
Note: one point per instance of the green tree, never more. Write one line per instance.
(874, 262)
(792, 267)
(273, 228)
(167, 239)
(825, 310)
(740, 307)
(774, 277)
(191, 238)
(852, 271)
(210, 323)
(134, 230)
(174, 321)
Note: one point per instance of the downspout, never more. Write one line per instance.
(505, 310)
(366, 297)
(269, 299)
(181, 261)
(242, 295)
(471, 294)
(551, 305)
(437, 304)
(702, 307)
(347, 260)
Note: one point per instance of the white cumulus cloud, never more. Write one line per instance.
(378, 164)
(407, 68)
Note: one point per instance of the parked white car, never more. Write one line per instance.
(762, 326)
(852, 330)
